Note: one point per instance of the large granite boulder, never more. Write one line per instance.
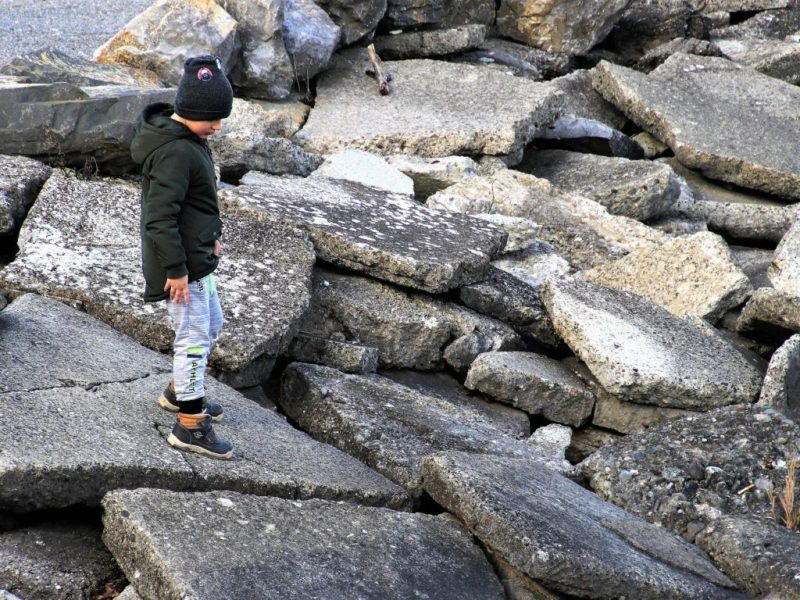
(581, 230)
(781, 388)
(565, 537)
(689, 103)
(356, 18)
(690, 274)
(686, 473)
(639, 189)
(394, 434)
(310, 37)
(195, 27)
(21, 180)
(642, 353)
(401, 122)
(265, 69)
(428, 44)
(92, 393)
(272, 548)
(67, 125)
(564, 26)
(384, 235)
(80, 231)
(57, 560)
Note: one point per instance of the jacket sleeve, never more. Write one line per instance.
(169, 176)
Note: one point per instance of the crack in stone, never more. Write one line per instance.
(91, 386)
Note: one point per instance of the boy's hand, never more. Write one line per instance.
(178, 289)
(217, 248)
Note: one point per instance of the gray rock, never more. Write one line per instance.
(642, 353)
(776, 58)
(384, 235)
(588, 440)
(50, 65)
(309, 36)
(433, 174)
(652, 147)
(680, 45)
(399, 122)
(129, 593)
(56, 561)
(513, 422)
(240, 151)
(647, 24)
(581, 230)
(367, 169)
(394, 434)
(516, 584)
(534, 383)
(521, 59)
(564, 536)
(770, 316)
(784, 272)
(280, 118)
(781, 388)
(80, 231)
(759, 555)
(253, 373)
(754, 263)
(21, 180)
(744, 5)
(534, 265)
(692, 274)
(768, 24)
(553, 440)
(344, 356)
(282, 549)
(686, 473)
(463, 351)
(566, 26)
(627, 417)
(265, 69)
(425, 44)
(582, 101)
(406, 13)
(145, 43)
(521, 231)
(74, 126)
(511, 300)
(588, 135)
(638, 189)
(356, 18)
(689, 103)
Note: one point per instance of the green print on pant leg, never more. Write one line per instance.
(194, 353)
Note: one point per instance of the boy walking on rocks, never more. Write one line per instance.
(180, 231)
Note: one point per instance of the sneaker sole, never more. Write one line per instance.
(176, 443)
(167, 405)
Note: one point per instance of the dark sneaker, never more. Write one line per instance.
(202, 440)
(169, 401)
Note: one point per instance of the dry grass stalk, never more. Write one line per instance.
(790, 516)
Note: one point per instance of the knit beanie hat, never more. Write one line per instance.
(204, 92)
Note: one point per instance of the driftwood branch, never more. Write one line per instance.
(378, 71)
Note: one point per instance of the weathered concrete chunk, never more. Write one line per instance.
(394, 433)
(534, 383)
(271, 548)
(646, 24)
(781, 388)
(642, 353)
(309, 36)
(280, 118)
(770, 316)
(367, 169)
(776, 58)
(56, 561)
(784, 272)
(534, 265)
(638, 189)
(80, 231)
(521, 59)
(582, 101)
(425, 44)
(356, 18)
(689, 103)
(628, 417)
(238, 152)
(758, 554)
(433, 174)
(680, 45)
(344, 356)
(521, 231)
(754, 262)
(411, 13)
(686, 473)
(768, 24)
(565, 537)
(744, 5)
(401, 121)
(21, 179)
(581, 230)
(145, 43)
(686, 275)
(587, 440)
(49, 65)
(384, 235)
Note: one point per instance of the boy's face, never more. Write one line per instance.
(203, 129)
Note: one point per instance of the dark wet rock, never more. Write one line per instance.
(344, 356)
(384, 235)
(356, 18)
(534, 383)
(425, 44)
(309, 36)
(274, 548)
(587, 135)
(395, 433)
(21, 180)
(583, 102)
(642, 353)
(686, 473)
(770, 316)
(56, 561)
(781, 389)
(565, 537)
(80, 231)
(646, 24)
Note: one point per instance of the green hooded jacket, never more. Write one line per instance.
(180, 215)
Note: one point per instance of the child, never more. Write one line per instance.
(180, 230)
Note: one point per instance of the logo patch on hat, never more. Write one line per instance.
(204, 74)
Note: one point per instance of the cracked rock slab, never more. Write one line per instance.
(642, 353)
(565, 537)
(21, 180)
(723, 119)
(692, 274)
(387, 425)
(424, 119)
(344, 356)
(80, 231)
(384, 235)
(272, 548)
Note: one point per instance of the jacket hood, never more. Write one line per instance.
(154, 128)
